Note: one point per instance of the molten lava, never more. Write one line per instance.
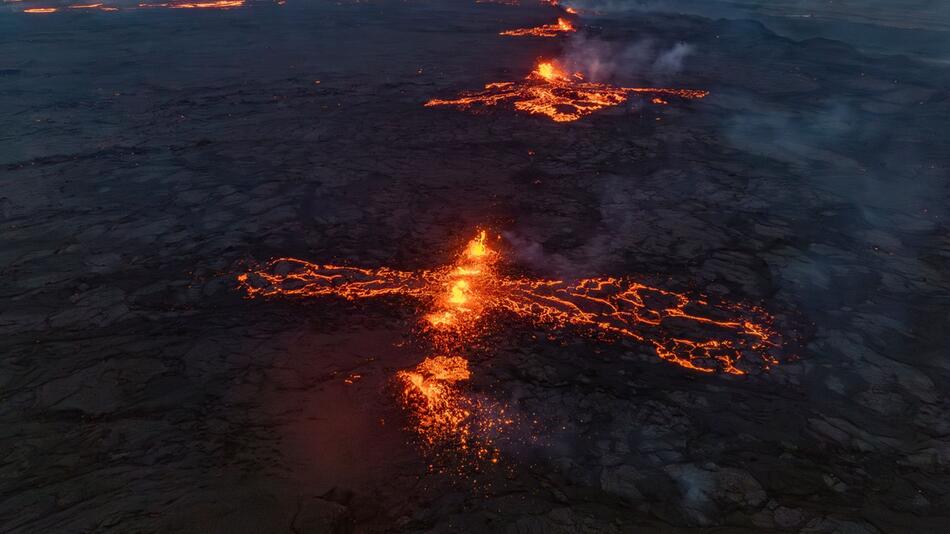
(210, 4)
(550, 91)
(460, 297)
(547, 30)
(463, 300)
(177, 4)
(441, 412)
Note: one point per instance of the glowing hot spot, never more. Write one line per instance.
(477, 247)
(458, 294)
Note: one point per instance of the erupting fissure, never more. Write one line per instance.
(463, 301)
(548, 90)
(174, 4)
(562, 25)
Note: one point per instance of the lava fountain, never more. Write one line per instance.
(548, 90)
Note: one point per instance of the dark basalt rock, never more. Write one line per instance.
(148, 158)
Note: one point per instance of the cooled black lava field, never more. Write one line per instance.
(723, 311)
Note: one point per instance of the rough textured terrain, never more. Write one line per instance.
(146, 157)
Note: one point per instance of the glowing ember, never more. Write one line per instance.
(96, 7)
(549, 91)
(441, 411)
(36, 10)
(548, 30)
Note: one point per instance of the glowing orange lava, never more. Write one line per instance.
(550, 91)
(687, 331)
(94, 7)
(211, 4)
(460, 300)
(177, 4)
(441, 411)
(548, 30)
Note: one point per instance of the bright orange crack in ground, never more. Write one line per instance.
(547, 30)
(550, 91)
(463, 301)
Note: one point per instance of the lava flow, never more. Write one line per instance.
(550, 91)
(210, 4)
(96, 7)
(562, 25)
(447, 420)
(465, 300)
(177, 4)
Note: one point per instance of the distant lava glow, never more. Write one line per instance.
(463, 301)
(175, 4)
(550, 91)
(557, 4)
(96, 7)
(210, 4)
(562, 26)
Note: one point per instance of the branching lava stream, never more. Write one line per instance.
(550, 91)
(460, 299)
(562, 26)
